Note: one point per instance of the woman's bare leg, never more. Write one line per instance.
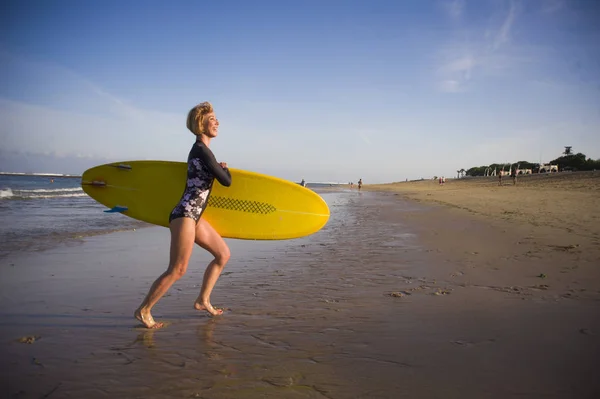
(183, 232)
(208, 238)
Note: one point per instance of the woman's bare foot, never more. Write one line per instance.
(147, 319)
(208, 307)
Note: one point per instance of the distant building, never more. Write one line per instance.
(548, 168)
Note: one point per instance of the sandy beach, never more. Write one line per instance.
(412, 290)
(567, 201)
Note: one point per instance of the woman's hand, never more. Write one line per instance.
(223, 165)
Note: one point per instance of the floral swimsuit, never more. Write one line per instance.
(202, 169)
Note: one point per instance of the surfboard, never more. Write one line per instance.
(254, 207)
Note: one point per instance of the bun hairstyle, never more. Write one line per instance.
(195, 118)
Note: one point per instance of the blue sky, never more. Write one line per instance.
(320, 90)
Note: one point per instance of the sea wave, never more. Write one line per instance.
(6, 193)
(57, 196)
(53, 190)
(14, 194)
(37, 174)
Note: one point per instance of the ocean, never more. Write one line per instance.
(39, 212)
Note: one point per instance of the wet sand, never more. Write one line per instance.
(393, 298)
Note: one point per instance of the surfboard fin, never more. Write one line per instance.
(117, 208)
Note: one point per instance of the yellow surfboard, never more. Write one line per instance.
(254, 207)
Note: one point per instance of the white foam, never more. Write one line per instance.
(6, 193)
(56, 196)
(52, 190)
(37, 174)
(9, 193)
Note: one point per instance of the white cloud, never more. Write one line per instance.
(73, 115)
(41, 129)
(478, 51)
(503, 34)
(451, 86)
(56, 86)
(457, 72)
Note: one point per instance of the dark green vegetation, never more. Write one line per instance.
(566, 162)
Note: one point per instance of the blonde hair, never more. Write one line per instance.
(195, 118)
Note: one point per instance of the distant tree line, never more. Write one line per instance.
(576, 162)
(569, 162)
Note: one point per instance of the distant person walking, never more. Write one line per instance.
(513, 174)
(359, 184)
(185, 222)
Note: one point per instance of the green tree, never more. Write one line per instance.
(476, 171)
(572, 162)
(592, 164)
(566, 162)
(527, 165)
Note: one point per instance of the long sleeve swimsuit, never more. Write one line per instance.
(202, 170)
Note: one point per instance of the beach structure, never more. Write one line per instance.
(548, 168)
(505, 172)
(520, 171)
(490, 172)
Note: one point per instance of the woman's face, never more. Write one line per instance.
(211, 125)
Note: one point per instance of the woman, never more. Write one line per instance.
(185, 222)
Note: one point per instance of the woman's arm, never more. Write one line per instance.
(220, 173)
